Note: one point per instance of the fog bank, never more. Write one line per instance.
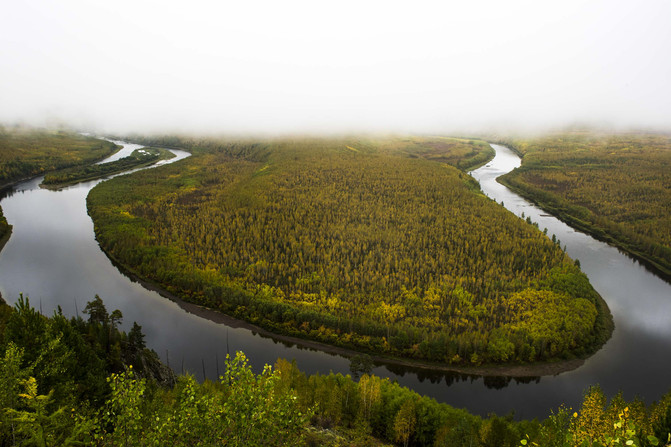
(301, 66)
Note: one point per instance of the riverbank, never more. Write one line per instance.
(5, 237)
(567, 214)
(534, 370)
(610, 186)
(28, 154)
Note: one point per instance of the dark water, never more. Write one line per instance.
(53, 258)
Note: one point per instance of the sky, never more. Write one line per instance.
(324, 67)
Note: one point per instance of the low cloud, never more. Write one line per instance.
(300, 66)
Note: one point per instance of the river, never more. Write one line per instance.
(53, 257)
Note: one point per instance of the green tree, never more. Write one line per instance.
(660, 415)
(136, 338)
(97, 311)
(39, 426)
(254, 412)
(121, 419)
(405, 421)
(12, 375)
(590, 423)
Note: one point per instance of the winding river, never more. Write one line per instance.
(53, 257)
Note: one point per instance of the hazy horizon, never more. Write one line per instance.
(310, 67)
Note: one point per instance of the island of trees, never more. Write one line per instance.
(373, 244)
(137, 159)
(616, 187)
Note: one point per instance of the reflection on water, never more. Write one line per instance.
(53, 257)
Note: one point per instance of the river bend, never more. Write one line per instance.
(53, 257)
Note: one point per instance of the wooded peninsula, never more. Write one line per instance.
(28, 152)
(373, 244)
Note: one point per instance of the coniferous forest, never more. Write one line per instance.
(376, 245)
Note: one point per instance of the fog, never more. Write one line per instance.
(310, 66)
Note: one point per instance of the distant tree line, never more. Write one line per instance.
(27, 152)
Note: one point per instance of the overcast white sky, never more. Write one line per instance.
(319, 66)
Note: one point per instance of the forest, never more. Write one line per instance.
(378, 245)
(137, 159)
(28, 152)
(83, 381)
(616, 187)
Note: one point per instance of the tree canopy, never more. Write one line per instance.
(615, 186)
(374, 244)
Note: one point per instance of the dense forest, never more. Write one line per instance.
(27, 152)
(67, 382)
(615, 187)
(371, 244)
(137, 159)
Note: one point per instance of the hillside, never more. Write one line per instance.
(84, 382)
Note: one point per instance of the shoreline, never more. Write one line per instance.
(659, 269)
(649, 264)
(163, 155)
(511, 371)
(532, 370)
(5, 238)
